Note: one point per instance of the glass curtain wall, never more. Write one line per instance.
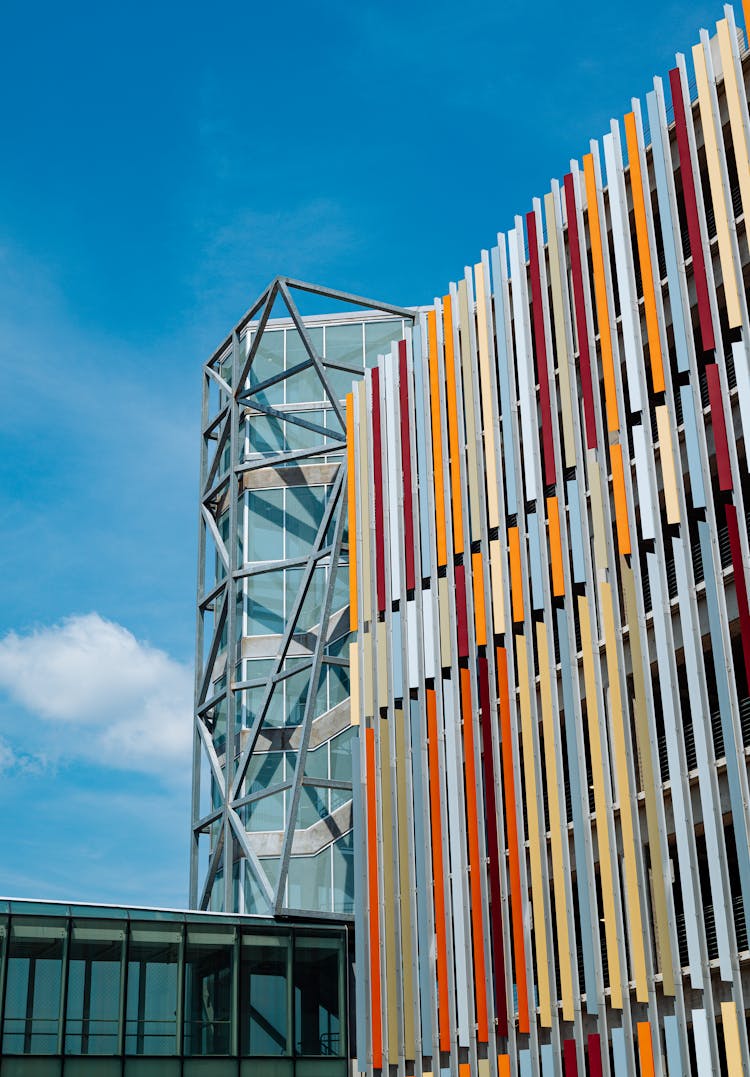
(170, 996)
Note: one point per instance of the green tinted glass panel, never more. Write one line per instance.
(267, 363)
(378, 338)
(305, 385)
(33, 987)
(208, 992)
(93, 1002)
(265, 604)
(343, 344)
(318, 991)
(265, 434)
(265, 995)
(305, 507)
(310, 881)
(343, 873)
(265, 525)
(151, 1005)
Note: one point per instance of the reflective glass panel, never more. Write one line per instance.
(33, 987)
(344, 344)
(265, 604)
(318, 996)
(378, 338)
(343, 873)
(305, 507)
(267, 363)
(310, 881)
(306, 385)
(264, 992)
(265, 525)
(94, 975)
(151, 1005)
(208, 991)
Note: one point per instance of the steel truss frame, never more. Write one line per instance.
(218, 656)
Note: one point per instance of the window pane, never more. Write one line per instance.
(310, 878)
(265, 527)
(299, 437)
(94, 973)
(341, 756)
(378, 338)
(33, 989)
(264, 986)
(344, 344)
(151, 1013)
(305, 507)
(208, 992)
(264, 434)
(306, 385)
(318, 971)
(343, 873)
(265, 604)
(267, 363)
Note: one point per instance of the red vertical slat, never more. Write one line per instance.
(691, 212)
(718, 424)
(595, 1055)
(406, 465)
(570, 1058)
(584, 357)
(462, 625)
(496, 923)
(540, 347)
(377, 476)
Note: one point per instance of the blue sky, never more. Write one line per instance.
(160, 163)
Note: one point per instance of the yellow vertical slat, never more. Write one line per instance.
(718, 195)
(666, 455)
(731, 1039)
(640, 711)
(496, 582)
(558, 309)
(735, 108)
(354, 703)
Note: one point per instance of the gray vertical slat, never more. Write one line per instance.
(577, 794)
(697, 489)
(421, 842)
(674, 1057)
(503, 360)
(727, 725)
(576, 534)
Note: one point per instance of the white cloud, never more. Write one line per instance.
(95, 693)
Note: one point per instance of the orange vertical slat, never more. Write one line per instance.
(511, 824)
(472, 824)
(644, 254)
(453, 450)
(438, 873)
(503, 1065)
(516, 580)
(480, 612)
(555, 547)
(621, 503)
(437, 441)
(600, 295)
(352, 504)
(645, 1049)
(372, 879)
